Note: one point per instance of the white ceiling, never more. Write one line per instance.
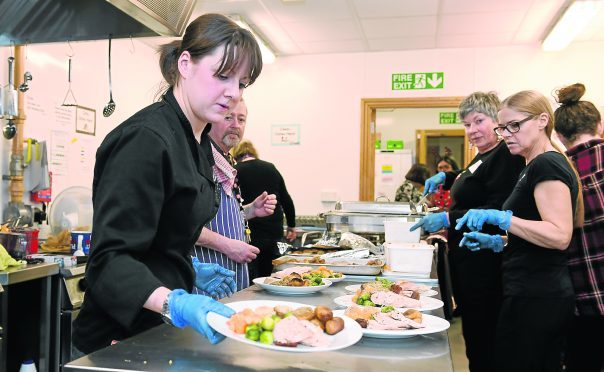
(295, 27)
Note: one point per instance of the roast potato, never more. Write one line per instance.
(304, 313)
(323, 313)
(334, 325)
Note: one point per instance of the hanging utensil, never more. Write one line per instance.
(27, 77)
(69, 96)
(11, 108)
(10, 102)
(110, 107)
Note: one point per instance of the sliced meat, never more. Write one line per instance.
(393, 299)
(410, 286)
(317, 339)
(296, 269)
(387, 321)
(290, 330)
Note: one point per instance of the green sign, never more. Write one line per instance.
(448, 118)
(395, 145)
(418, 80)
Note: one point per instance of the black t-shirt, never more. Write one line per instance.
(256, 176)
(484, 184)
(528, 269)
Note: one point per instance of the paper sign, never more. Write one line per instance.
(285, 135)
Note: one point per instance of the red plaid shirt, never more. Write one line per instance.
(586, 250)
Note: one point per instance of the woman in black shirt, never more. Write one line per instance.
(256, 176)
(539, 216)
(153, 191)
(485, 184)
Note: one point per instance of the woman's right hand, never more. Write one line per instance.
(432, 222)
(192, 310)
(433, 182)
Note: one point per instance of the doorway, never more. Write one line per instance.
(368, 133)
(432, 145)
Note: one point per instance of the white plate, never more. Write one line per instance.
(433, 324)
(291, 291)
(428, 303)
(350, 335)
(336, 280)
(355, 287)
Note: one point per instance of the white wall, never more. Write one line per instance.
(321, 93)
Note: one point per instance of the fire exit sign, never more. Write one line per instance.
(418, 80)
(448, 118)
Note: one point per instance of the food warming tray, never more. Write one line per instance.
(359, 267)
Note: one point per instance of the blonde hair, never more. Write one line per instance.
(244, 148)
(533, 103)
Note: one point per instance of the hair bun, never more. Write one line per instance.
(570, 94)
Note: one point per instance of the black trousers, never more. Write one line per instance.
(531, 333)
(263, 266)
(585, 344)
(476, 281)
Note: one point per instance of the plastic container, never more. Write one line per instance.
(409, 258)
(28, 366)
(80, 241)
(396, 230)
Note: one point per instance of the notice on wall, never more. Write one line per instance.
(448, 118)
(59, 145)
(418, 80)
(285, 135)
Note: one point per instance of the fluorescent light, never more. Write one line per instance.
(267, 54)
(575, 18)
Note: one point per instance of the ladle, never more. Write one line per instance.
(110, 107)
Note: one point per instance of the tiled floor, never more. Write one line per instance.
(458, 349)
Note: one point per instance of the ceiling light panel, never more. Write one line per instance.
(399, 27)
(399, 8)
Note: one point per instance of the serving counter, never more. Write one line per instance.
(29, 311)
(166, 348)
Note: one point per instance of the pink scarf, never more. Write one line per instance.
(224, 172)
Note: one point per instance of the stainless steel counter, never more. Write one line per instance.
(29, 313)
(18, 274)
(165, 348)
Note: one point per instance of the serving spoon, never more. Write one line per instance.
(110, 107)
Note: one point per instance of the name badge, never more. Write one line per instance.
(475, 166)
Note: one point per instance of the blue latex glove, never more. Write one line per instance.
(476, 241)
(192, 309)
(433, 182)
(432, 222)
(475, 218)
(214, 279)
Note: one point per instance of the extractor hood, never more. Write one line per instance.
(47, 21)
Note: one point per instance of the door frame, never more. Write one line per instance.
(368, 110)
(421, 141)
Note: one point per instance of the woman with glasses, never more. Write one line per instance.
(579, 128)
(538, 218)
(485, 183)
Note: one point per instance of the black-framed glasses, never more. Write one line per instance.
(512, 126)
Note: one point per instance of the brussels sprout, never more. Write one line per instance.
(368, 303)
(288, 314)
(266, 338)
(252, 332)
(267, 323)
(387, 309)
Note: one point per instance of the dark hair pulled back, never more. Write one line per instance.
(202, 36)
(575, 117)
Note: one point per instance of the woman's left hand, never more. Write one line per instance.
(214, 279)
(476, 241)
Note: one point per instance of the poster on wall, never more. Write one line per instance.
(285, 135)
(85, 120)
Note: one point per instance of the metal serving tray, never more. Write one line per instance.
(359, 267)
